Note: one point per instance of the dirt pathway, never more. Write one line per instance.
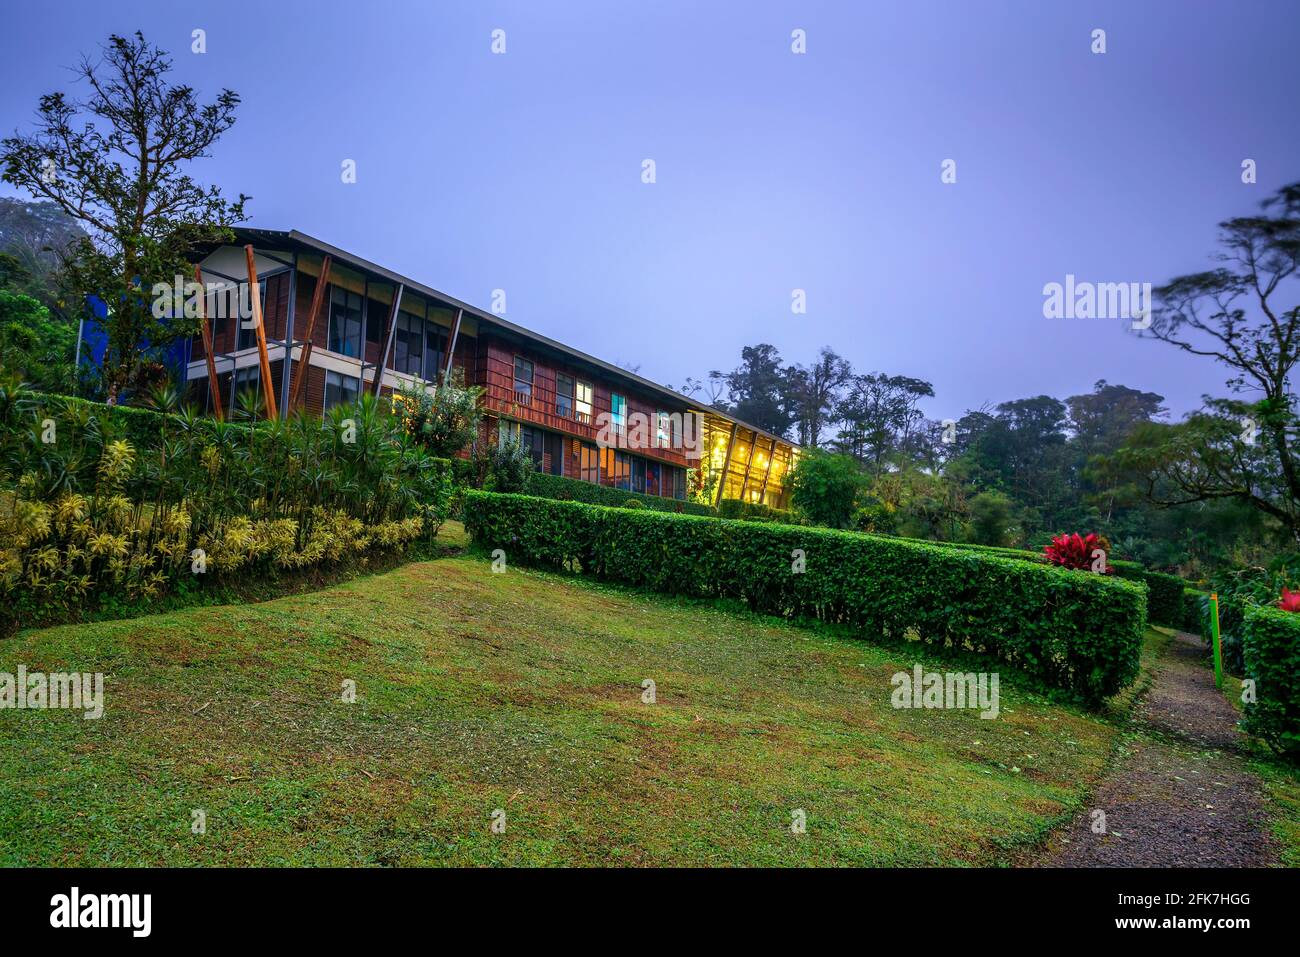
(1180, 793)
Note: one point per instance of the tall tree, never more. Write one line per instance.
(813, 390)
(1245, 314)
(116, 162)
(879, 417)
(757, 389)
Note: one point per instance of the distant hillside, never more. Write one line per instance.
(34, 234)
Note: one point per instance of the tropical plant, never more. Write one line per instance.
(1082, 552)
(825, 487)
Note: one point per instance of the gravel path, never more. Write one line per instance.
(1180, 794)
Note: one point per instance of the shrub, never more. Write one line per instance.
(509, 467)
(632, 503)
(1165, 592)
(544, 485)
(825, 487)
(1271, 647)
(95, 516)
(754, 512)
(1078, 632)
(1075, 551)
(444, 421)
(1195, 612)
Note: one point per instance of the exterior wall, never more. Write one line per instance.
(752, 466)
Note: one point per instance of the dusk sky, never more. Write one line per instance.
(775, 171)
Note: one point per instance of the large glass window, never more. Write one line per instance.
(408, 344)
(589, 463)
(247, 380)
(618, 466)
(340, 389)
(523, 378)
(582, 401)
(345, 322)
(563, 394)
(652, 483)
(663, 430)
(638, 474)
(246, 338)
(435, 351)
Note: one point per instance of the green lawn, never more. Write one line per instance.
(519, 691)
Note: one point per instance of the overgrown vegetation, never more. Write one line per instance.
(88, 514)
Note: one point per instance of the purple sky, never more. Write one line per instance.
(775, 171)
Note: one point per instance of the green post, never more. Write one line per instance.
(1214, 632)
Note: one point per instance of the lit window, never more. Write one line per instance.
(582, 401)
(617, 412)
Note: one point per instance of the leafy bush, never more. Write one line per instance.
(1271, 646)
(544, 485)
(825, 487)
(754, 512)
(1165, 592)
(509, 467)
(91, 515)
(1195, 615)
(444, 422)
(1075, 551)
(1078, 632)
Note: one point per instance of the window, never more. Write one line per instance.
(589, 463)
(408, 344)
(435, 349)
(679, 483)
(638, 475)
(619, 468)
(663, 430)
(617, 412)
(246, 338)
(563, 394)
(652, 485)
(523, 379)
(582, 402)
(345, 322)
(340, 389)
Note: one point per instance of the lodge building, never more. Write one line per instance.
(367, 321)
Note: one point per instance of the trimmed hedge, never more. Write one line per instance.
(1271, 647)
(141, 427)
(1195, 612)
(1165, 597)
(1078, 632)
(738, 508)
(544, 485)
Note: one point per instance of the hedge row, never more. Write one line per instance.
(544, 485)
(1271, 646)
(1195, 618)
(1165, 602)
(738, 508)
(1078, 632)
(1165, 592)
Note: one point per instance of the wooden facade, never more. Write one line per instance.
(580, 417)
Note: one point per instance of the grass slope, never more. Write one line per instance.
(520, 691)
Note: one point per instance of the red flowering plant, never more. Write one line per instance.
(1075, 551)
(1290, 600)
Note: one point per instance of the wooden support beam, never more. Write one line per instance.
(451, 347)
(388, 339)
(771, 454)
(297, 387)
(726, 464)
(272, 409)
(214, 387)
(749, 461)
